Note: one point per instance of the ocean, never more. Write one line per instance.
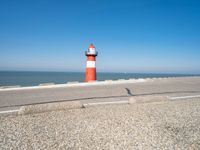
(34, 78)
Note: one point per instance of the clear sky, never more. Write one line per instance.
(157, 36)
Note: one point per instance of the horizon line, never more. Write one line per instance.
(99, 72)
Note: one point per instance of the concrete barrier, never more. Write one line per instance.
(46, 84)
(39, 108)
(14, 86)
(132, 79)
(108, 81)
(11, 112)
(147, 99)
(121, 80)
(104, 103)
(72, 82)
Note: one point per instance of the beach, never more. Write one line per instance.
(154, 113)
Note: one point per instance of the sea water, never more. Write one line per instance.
(33, 78)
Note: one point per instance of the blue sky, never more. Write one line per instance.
(157, 36)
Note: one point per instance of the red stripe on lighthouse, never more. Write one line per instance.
(90, 74)
(91, 58)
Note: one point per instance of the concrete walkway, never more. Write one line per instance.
(98, 92)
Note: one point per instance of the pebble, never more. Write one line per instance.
(166, 125)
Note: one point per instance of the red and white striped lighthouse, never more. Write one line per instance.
(91, 54)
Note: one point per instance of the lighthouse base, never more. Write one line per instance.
(90, 74)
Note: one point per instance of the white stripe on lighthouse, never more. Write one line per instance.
(91, 64)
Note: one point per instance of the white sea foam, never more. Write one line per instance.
(75, 84)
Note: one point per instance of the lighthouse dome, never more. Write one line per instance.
(91, 50)
(91, 46)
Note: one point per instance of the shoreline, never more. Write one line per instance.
(18, 79)
(82, 84)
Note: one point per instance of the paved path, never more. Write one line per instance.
(108, 92)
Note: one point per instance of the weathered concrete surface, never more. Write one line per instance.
(24, 110)
(164, 125)
(147, 99)
(106, 92)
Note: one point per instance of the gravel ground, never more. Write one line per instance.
(164, 125)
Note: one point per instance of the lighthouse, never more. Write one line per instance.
(91, 54)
